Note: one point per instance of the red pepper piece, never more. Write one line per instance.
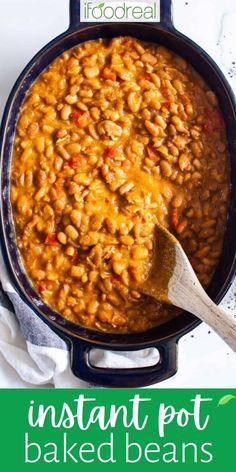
(41, 287)
(128, 41)
(74, 161)
(151, 153)
(51, 239)
(114, 279)
(165, 92)
(145, 77)
(174, 218)
(72, 258)
(110, 151)
(166, 105)
(108, 73)
(74, 115)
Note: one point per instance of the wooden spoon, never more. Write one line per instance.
(172, 280)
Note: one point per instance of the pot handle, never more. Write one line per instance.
(165, 14)
(131, 377)
(74, 13)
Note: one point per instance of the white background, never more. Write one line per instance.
(27, 25)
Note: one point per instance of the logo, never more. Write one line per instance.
(120, 11)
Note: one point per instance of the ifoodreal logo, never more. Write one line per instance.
(120, 11)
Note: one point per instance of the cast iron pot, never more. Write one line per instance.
(80, 340)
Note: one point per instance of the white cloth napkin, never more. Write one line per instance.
(32, 355)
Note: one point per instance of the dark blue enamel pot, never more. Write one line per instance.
(164, 338)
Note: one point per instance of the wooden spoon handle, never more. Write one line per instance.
(220, 321)
(199, 304)
(185, 291)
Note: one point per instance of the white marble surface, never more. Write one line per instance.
(27, 25)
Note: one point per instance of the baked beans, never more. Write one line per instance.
(113, 137)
